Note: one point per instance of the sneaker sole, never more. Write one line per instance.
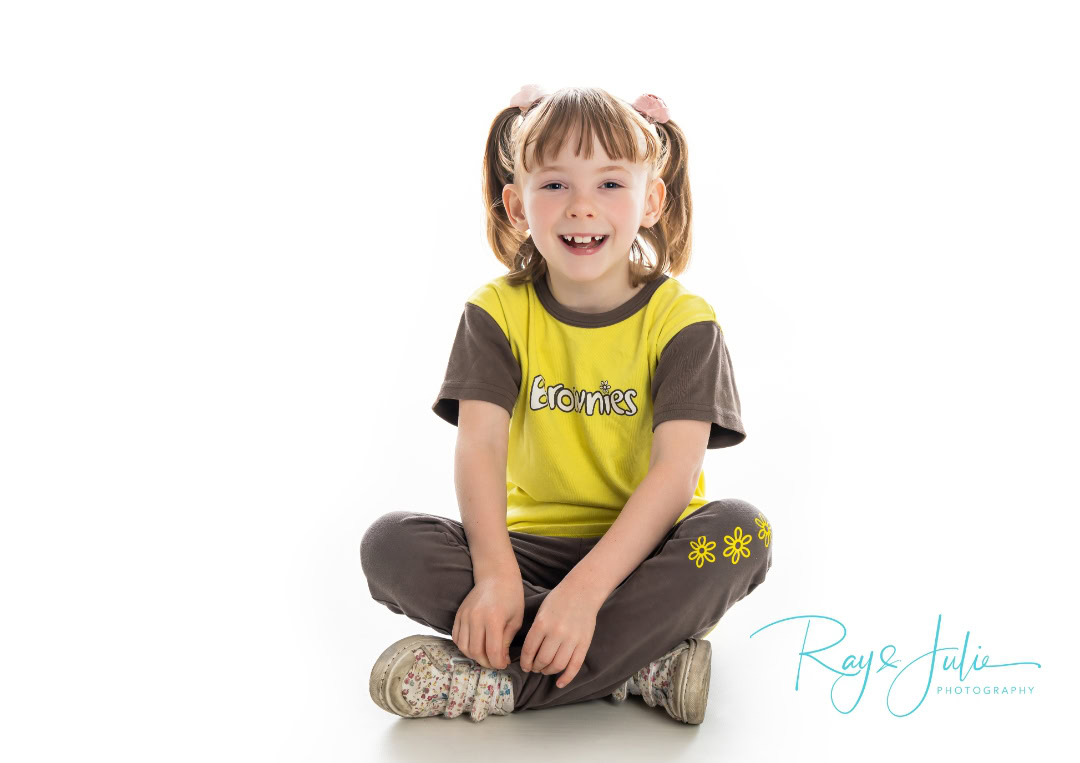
(691, 683)
(382, 683)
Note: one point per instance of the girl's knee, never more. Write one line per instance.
(728, 513)
(381, 538)
(743, 528)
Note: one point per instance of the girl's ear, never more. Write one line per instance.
(654, 202)
(514, 207)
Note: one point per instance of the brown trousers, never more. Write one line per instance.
(419, 565)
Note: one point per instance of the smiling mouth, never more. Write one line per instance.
(585, 248)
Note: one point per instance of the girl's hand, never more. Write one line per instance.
(488, 619)
(560, 635)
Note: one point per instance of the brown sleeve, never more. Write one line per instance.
(482, 366)
(694, 380)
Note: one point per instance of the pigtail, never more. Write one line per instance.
(670, 237)
(514, 249)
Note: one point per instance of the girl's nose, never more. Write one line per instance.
(580, 206)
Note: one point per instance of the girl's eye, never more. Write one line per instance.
(608, 182)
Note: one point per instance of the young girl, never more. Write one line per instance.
(591, 383)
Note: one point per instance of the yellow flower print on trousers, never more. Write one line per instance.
(701, 554)
(737, 545)
(765, 533)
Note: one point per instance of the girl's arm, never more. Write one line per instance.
(678, 453)
(480, 479)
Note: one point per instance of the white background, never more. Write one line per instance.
(236, 240)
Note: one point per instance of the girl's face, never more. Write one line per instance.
(574, 196)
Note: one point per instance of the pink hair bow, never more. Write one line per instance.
(527, 96)
(652, 107)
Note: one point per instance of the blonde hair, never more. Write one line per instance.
(590, 111)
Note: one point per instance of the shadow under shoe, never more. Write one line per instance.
(423, 676)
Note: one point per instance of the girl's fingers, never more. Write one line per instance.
(558, 662)
(462, 640)
(545, 656)
(476, 646)
(494, 646)
(527, 657)
(572, 662)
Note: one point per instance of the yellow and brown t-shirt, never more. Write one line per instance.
(585, 392)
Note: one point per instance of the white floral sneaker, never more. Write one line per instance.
(420, 676)
(678, 681)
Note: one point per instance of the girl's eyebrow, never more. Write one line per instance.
(599, 169)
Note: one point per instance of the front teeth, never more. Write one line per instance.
(581, 239)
